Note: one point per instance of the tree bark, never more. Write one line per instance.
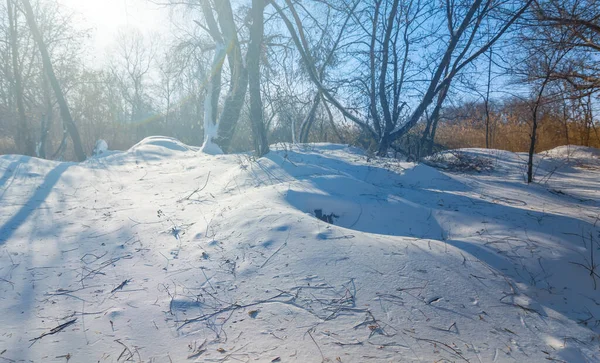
(261, 146)
(62, 102)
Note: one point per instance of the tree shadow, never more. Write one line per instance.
(11, 169)
(538, 250)
(34, 202)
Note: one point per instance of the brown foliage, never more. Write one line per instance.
(511, 127)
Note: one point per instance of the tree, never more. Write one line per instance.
(24, 139)
(401, 26)
(219, 129)
(62, 102)
(574, 24)
(540, 65)
(131, 66)
(261, 146)
(487, 101)
(234, 100)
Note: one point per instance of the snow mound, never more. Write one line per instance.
(100, 148)
(573, 152)
(166, 144)
(165, 254)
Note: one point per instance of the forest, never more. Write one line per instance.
(407, 76)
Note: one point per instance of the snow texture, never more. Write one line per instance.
(163, 253)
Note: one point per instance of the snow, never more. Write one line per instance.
(165, 253)
(100, 147)
(574, 151)
(211, 129)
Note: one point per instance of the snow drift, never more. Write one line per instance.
(163, 253)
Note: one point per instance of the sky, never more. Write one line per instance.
(105, 17)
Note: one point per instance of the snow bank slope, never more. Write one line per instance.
(166, 254)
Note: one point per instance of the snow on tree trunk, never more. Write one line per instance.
(210, 129)
(210, 126)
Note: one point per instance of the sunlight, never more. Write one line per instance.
(105, 17)
(299, 180)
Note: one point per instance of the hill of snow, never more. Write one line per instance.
(165, 254)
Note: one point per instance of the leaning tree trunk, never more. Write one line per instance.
(24, 138)
(309, 120)
(46, 119)
(60, 97)
(428, 138)
(261, 146)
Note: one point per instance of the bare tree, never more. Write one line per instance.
(261, 146)
(541, 63)
(211, 102)
(62, 102)
(394, 20)
(234, 100)
(574, 24)
(131, 66)
(219, 128)
(24, 138)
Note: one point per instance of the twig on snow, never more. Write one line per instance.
(318, 347)
(54, 330)
(198, 190)
(121, 286)
(279, 249)
(434, 342)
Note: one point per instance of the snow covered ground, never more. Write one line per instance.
(165, 254)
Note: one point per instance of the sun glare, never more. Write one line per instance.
(105, 17)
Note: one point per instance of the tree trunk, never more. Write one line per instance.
(46, 119)
(532, 146)
(236, 95)
(211, 101)
(487, 102)
(332, 121)
(384, 145)
(232, 109)
(536, 107)
(24, 139)
(62, 102)
(310, 118)
(253, 62)
(428, 137)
